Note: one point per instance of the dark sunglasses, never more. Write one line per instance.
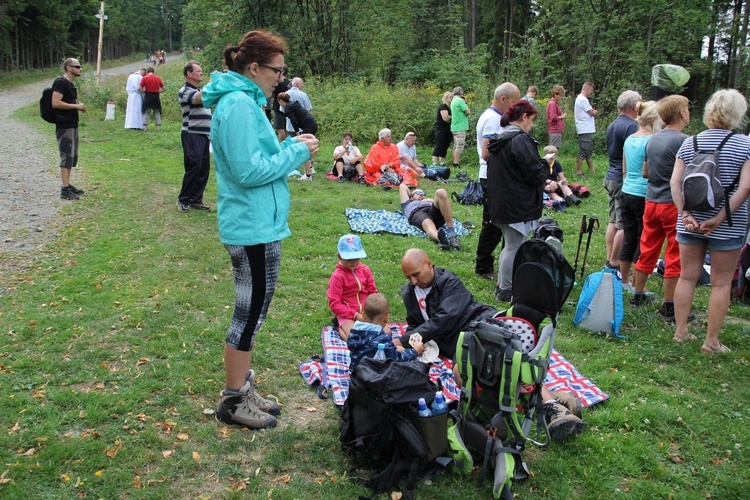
(77, 67)
(280, 71)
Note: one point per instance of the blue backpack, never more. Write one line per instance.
(600, 304)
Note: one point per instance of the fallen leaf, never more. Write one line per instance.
(65, 478)
(30, 452)
(196, 456)
(99, 473)
(142, 361)
(311, 409)
(283, 479)
(137, 482)
(208, 411)
(257, 471)
(15, 427)
(112, 452)
(239, 486)
(99, 385)
(151, 481)
(717, 461)
(3, 479)
(167, 453)
(182, 436)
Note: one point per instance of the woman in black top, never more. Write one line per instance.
(443, 134)
(516, 176)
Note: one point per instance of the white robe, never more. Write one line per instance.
(133, 116)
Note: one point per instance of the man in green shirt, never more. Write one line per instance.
(460, 113)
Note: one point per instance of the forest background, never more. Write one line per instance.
(427, 43)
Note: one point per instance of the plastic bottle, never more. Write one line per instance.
(381, 352)
(438, 404)
(423, 410)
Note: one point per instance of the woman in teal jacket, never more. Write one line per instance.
(253, 206)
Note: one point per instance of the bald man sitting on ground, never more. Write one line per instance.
(439, 307)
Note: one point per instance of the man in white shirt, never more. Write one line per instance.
(585, 127)
(488, 125)
(407, 153)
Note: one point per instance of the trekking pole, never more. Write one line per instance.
(580, 239)
(593, 224)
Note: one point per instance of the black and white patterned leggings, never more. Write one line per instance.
(256, 270)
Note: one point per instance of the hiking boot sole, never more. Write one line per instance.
(566, 428)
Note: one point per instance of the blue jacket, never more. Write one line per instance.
(363, 343)
(251, 165)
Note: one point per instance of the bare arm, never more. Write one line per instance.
(58, 103)
(445, 115)
(645, 170)
(485, 149)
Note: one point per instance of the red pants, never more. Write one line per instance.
(659, 223)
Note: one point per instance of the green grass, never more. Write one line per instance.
(111, 349)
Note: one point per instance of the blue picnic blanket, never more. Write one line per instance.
(385, 221)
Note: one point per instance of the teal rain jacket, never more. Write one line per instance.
(251, 165)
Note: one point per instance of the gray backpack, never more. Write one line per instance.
(701, 181)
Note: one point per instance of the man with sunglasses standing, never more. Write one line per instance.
(65, 101)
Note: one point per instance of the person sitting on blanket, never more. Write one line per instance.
(439, 307)
(383, 153)
(407, 152)
(347, 160)
(556, 185)
(429, 215)
(350, 284)
(372, 330)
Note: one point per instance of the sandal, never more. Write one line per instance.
(687, 338)
(719, 349)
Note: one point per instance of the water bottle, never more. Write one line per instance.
(423, 410)
(381, 352)
(438, 404)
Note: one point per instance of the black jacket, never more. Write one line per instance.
(515, 177)
(301, 118)
(450, 307)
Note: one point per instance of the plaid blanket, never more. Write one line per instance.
(385, 221)
(332, 372)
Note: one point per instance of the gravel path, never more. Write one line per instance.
(30, 179)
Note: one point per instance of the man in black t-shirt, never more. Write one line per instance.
(65, 102)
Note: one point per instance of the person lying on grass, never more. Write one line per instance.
(429, 215)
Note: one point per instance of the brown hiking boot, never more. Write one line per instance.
(238, 409)
(560, 422)
(571, 402)
(266, 405)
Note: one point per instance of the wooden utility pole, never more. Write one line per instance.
(99, 53)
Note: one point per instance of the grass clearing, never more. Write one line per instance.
(111, 350)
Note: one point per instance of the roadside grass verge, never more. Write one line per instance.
(111, 351)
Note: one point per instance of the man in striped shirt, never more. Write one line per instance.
(196, 127)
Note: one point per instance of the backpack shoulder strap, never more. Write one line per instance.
(723, 141)
(695, 144)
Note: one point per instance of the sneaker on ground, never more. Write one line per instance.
(454, 242)
(666, 311)
(571, 402)
(312, 171)
(488, 275)
(181, 207)
(200, 206)
(641, 299)
(238, 409)
(77, 191)
(67, 194)
(561, 422)
(341, 178)
(503, 295)
(304, 177)
(266, 405)
(362, 180)
(442, 237)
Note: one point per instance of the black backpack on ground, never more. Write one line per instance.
(548, 228)
(473, 194)
(381, 429)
